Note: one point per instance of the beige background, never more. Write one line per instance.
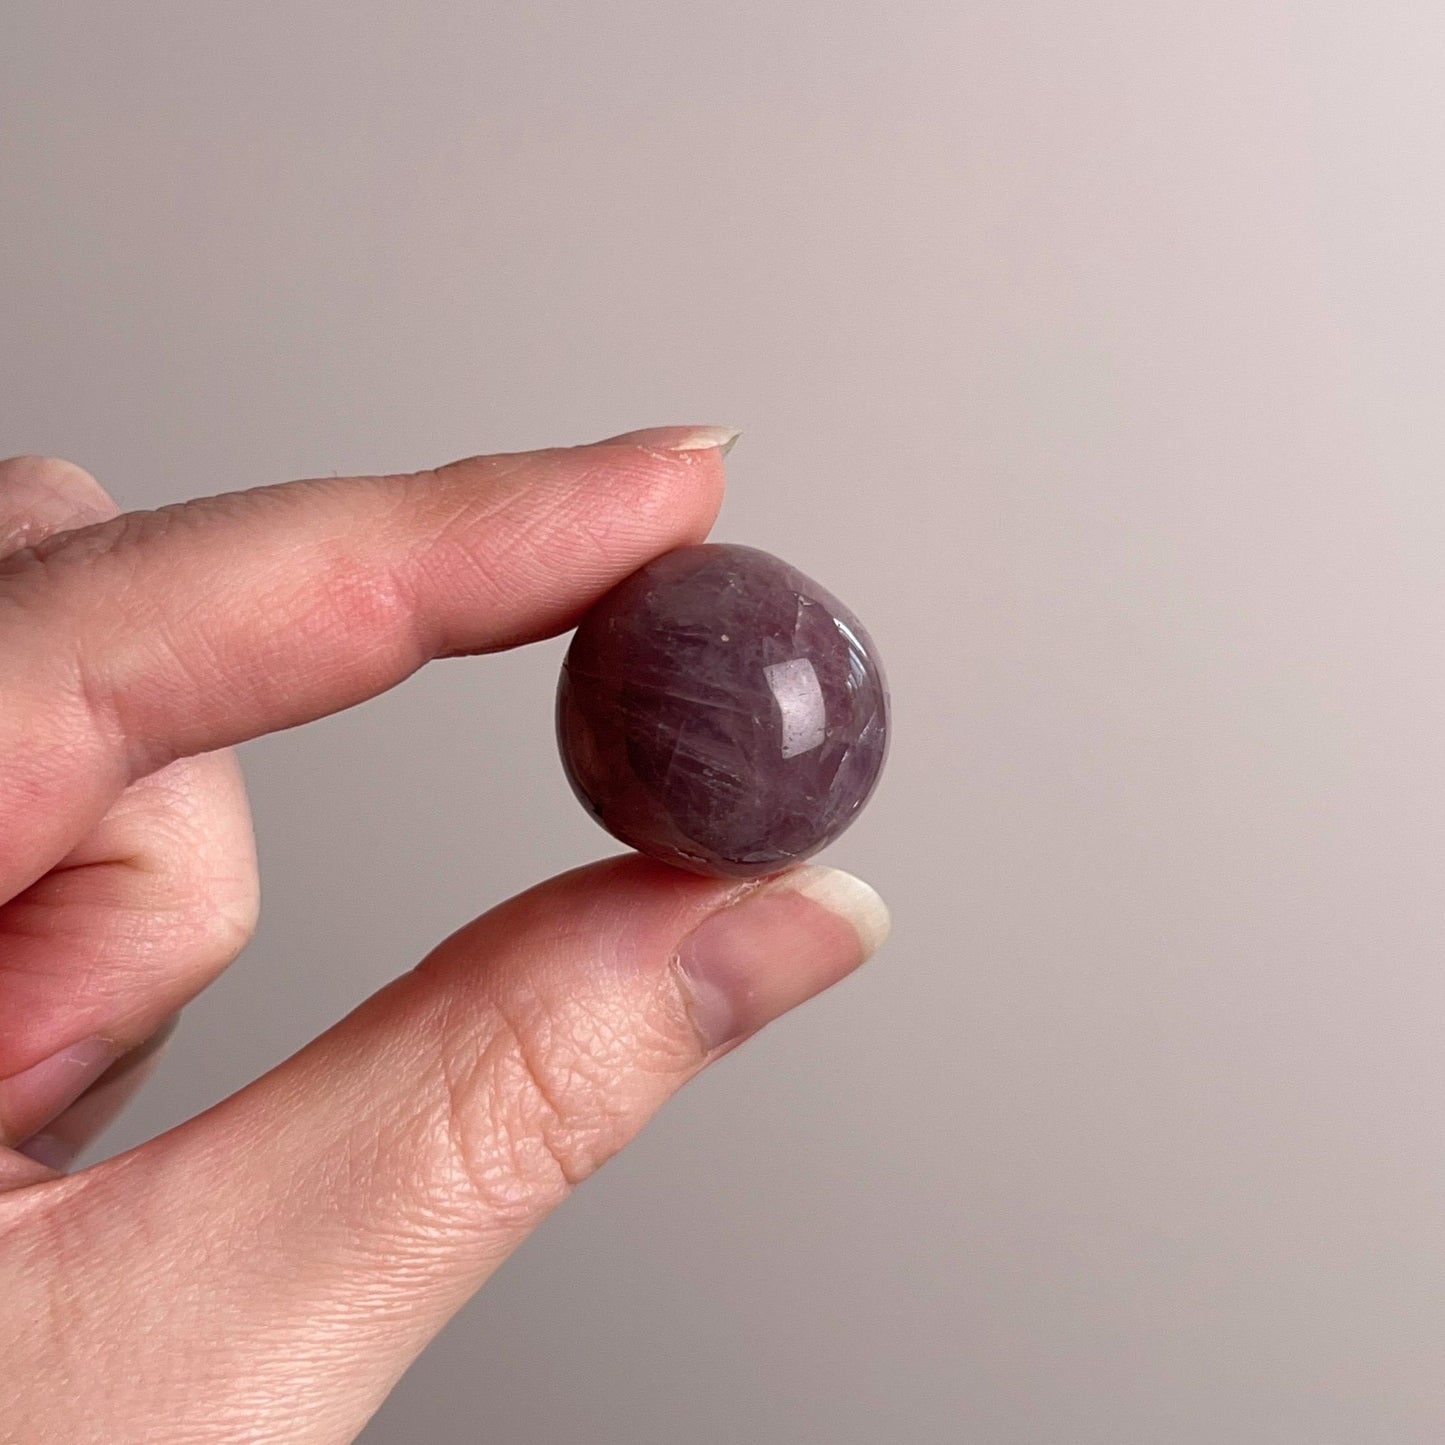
(1093, 353)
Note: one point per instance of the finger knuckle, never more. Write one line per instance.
(38, 479)
(217, 923)
(54, 557)
(53, 582)
(527, 1116)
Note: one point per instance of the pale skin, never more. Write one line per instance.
(269, 1269)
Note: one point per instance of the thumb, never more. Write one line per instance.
(304, 1239)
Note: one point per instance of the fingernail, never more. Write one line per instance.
(678, 438)
(31, 1099)
(776, 947)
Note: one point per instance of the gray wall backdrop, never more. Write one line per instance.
(1093, 353)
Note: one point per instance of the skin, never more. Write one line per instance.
(268, 1270)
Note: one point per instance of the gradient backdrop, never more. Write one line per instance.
(1094, 355)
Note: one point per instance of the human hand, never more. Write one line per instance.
(268, 1270)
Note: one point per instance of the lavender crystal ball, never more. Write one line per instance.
(722, 712)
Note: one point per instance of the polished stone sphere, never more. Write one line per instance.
(720, 711)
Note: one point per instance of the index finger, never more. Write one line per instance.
(170, 633)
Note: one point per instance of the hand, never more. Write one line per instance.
(268, 1270)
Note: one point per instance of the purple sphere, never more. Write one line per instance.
(720, 711)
